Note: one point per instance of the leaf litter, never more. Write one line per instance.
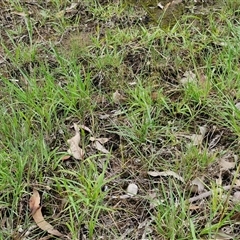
(74, 148)
(165, 174)
(36, 212)
(74, 142)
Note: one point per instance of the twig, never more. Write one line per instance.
(209, 193)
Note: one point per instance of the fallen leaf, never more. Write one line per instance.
(104, 116)
(73, 142)
(193, 207)
(196, 186)
(22, 14)
(34, 205)
(72, 7)
(118, 98)
(85, 128)
(154, 198)
(101, 140)
(166, 173)
(215, 141)
(223, 236)
(236, 217)
(236, 197)
(34, 202)
(225, 165)
(132, 189)
(219, 179)
(196, 138)
(188, 77)
(100, 147)
(66, 157)
(176, 1)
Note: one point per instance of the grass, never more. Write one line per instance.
(60, 68)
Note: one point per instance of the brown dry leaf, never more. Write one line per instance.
(101, 140)
(236, 197)
(188, 77)
(225, 165)
(193, 207)
(72, 7)
(223, 236)
(73, 142)
(22, 14)
(196, 138)
(66, 157)
(196, 186)
(100, 147)
(34, 202)
(219, 179)
(118, 98)
(85, 128)
(236, 217)
(154, 198)
(166, 173)
(34, 205)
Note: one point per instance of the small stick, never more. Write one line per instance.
(207, 194)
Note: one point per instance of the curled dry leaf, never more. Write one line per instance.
(66, 157)
(198, 138)
(100, 147)
(166, 173)
(34, 205)
(85, 128)
(225, 165)
(196, 186)
(73, 142)
(101, 140)
(97, 143)
(34, 202)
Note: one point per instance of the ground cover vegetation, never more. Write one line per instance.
(119, 119)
